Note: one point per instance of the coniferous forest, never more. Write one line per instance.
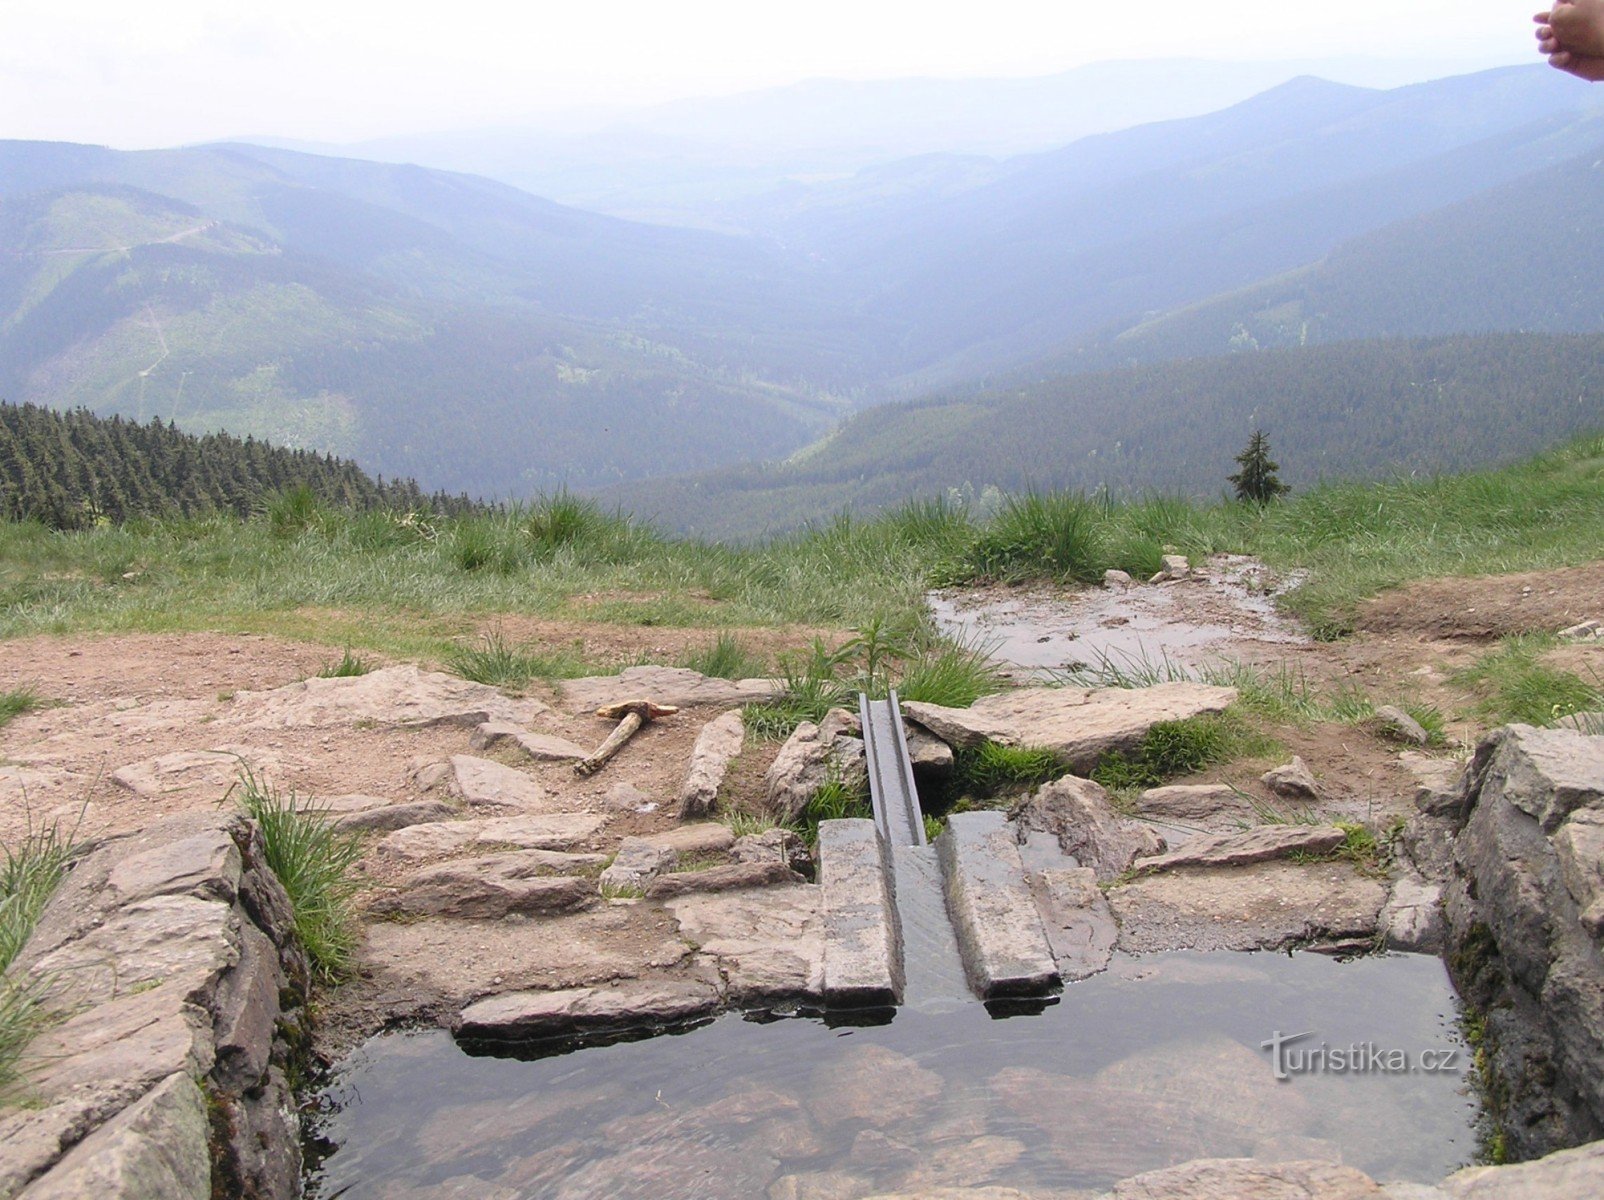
(71, 470)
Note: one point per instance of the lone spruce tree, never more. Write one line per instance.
(1257, 480)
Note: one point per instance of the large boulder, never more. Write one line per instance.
(1522, 904)
(1078, 725)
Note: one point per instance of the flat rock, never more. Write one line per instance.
(1077, 919)
(1547, 773)
(157, 1147)
(773, 845)
(542, 747)
(522, 1015)
(182, 770)
(1438, 781)
(1260, 844)
(1000, 934)
(1260, 907)
(1079, 725)
(1294, 781)
(768, 945)
(480, 783)
(728, 878)
(387, 818)
(557, 831)
(716, 746)
(1578, 1172)
(491, 886)
(698, 837)
(861, 967)
(1249, 1179)
(677, 686)
(394, 696)
(1195, 803)
(1078, 813)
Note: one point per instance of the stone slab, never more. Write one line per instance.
(398, 696)
(1079, 725)
(1075, 915)
(1260, 844)
(700, 837)
(496, 885)
(716, 746)
(518, 1016)
(542, 747)
(1005, 948)
(768, 945)
(482, 783)
(556, 831)
(731, 877)
(1265, 906)
(861, 967)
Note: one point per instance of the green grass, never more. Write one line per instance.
(30, 872)
(316, 863)
(726, 658)
(835, 801)
(954, 676)
(495, 661)
(408, 586)
(991, 768)
(348, 666)
(1515, 684)
(16, 702)
(1174, 748)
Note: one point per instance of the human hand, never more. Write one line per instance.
(1573, 26)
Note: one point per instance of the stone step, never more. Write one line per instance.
(862, 967)
(1005, 948)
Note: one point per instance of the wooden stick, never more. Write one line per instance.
(615, 741)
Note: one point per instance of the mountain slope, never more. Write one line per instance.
(1352, 409)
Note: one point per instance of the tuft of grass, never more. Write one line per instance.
(726, 658)
(22, 1015)
(16, 702)
(621, 891)
(1039, 535)
(934, 826)
(834, 801)
(30, 872)
(991, 768)
(348, 667)
(1515, 684)
(495, 661)
(316, 863)
(293, 511)
(954, 676)
(1174, 748)
(772, 722)
(745, 824)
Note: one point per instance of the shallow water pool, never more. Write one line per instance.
(1160, 1060)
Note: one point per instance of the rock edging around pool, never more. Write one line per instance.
(170, 959)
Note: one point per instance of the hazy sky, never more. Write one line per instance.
(159, 72)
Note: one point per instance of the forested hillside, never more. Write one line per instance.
(72, 470)
(1349, 410)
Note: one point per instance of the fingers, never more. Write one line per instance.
(1549, 46)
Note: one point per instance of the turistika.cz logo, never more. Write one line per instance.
(1357, 1058)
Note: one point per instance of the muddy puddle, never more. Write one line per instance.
(1160, 1060)
(1226, 609)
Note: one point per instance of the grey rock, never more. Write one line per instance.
(626, 797)
(1395, 722)
(1546, 773)
(861, 965)
(1294, 781)
(768, 945)
(1200, 803)
(773, 845)
(206, 865)
(34, 1138)
(1412, 921)
(729, 878)
(1077, 812)
(716, 746)
(390, 817)
(698, 837)
(157, 1147)
(1439, 782)
(1077, 919)
(1579, 848)
(1117, 579)
(1261, 844)
(812, 756)
(1000, 934)
(1175, 567)
(482, 783)
(930, 757)
(1583, 631)
(637, 863)
(521, 1015)
(184, 770)
(401, 696)
(542, 747)
(1078, 725)
(1578, 1172)
(1261, 907)
(557, 831)
(1249, 1179)
(496, 885)
(676, 686)
(245, 1012)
